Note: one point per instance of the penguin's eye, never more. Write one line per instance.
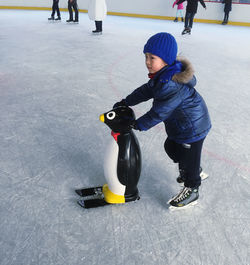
(111, 115)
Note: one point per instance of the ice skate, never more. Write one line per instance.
(69, 20)
(98, 26)
(186, 31)
(58, 19)
(186, 197)
(51, 18)
(97, 32)
(176, 19)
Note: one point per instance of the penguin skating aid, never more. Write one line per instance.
(122, 163)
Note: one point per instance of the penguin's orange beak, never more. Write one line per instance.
(101, 118)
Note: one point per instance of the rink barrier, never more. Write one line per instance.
(246, 24)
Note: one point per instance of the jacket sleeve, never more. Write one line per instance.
(163, 106)
(180, 1)
(203, 4)
(141, 94)
(192, 82)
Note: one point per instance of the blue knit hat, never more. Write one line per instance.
(162, 45)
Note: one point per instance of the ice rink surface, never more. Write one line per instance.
(55, 81)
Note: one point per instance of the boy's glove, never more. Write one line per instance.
(120, 104)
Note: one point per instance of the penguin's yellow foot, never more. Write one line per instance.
(111, 197)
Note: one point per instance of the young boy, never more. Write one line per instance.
(179, 106)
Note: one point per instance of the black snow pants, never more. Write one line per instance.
(188, 156)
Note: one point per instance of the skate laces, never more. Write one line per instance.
(184, 193)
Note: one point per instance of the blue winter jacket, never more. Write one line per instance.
(175, 102)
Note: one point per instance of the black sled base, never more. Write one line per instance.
(92, 203)
(97, 199)
(94, 191)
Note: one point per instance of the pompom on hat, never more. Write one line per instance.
(162, 45)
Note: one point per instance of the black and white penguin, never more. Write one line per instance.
(122, 160)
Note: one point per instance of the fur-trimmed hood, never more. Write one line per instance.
(175, 102)
(187, 71)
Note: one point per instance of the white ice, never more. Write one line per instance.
(55, 81)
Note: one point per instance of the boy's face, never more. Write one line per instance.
(154, 63)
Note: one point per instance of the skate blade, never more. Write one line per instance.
(203, 175)
(191, 204)
(81, 203)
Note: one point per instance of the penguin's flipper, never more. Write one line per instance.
(123, 163)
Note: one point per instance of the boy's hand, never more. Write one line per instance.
(120, 104)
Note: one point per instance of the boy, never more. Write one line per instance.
(179, 106)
